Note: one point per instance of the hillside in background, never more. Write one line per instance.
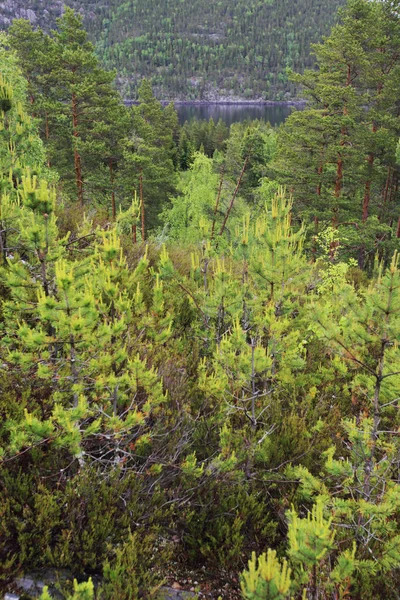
(197, 49)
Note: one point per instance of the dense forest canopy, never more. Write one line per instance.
(197, 49)
(199, 357)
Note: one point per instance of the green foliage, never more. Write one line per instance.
(311, 542)
(184, 375)
(150, 155)
(83, 122)
(202, 50)
(337, 157)
(266, 578)
(82, 591)
(129, 575)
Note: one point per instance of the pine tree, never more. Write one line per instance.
(258, 351)
(83, 120)
(315, 569)
(327, 153)
(361, 490)
(150, 156)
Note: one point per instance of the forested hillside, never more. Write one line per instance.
(199, 330)
(198, 49)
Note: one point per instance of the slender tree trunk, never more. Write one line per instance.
(114, 212)
(319, 186)
(339, 168)
(47, 133)
(217, 202)
(253, 385)
(46, 129)
(369, 464)
(335, 243)
(77, 158)
(234, 195)
(142, 204)
(386, 193)
(205, 274)
(3, 245)
(367, 192)
(371, 160)
(31, 96)
(339, 173)
(394, 187)
(220, 323)
(314, 244)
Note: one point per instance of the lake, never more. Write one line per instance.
(233, 113)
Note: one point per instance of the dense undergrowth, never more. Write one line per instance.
(197, 362)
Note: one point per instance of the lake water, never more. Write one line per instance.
(233, 113)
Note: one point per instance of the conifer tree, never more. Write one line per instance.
(315, 569)
(83, 120)
(360, 488)
(258, 350)
(327, 152)
(150, 156)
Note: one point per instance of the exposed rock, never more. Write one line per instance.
(32, 584)
(170, 593)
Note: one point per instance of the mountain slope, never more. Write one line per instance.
(198, 49)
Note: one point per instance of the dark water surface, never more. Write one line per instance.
(234, 113)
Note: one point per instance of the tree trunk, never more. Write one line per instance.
(339, 174)
(234, 195)
(314, 244)
(77, 158)
(114, 212)
(319, 186)
(339, 168)
(386, 193)
(217, 202)
(47, 134)
(46, 129)
(367, 192)
(142, 204)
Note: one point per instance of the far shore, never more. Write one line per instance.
(128, 102)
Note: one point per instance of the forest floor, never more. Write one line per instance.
(204, 582)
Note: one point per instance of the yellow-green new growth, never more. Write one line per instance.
(267, 578)
(310, 539)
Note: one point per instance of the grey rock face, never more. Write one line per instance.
(33, 584)
(168, 593)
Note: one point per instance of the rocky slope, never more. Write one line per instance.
(197, 49)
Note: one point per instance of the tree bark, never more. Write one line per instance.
(77, 158)
(339, 168)
(319, 186)
(217, 202)
(142, 204)
(234, 195)
(367, 192)
(113, 208)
